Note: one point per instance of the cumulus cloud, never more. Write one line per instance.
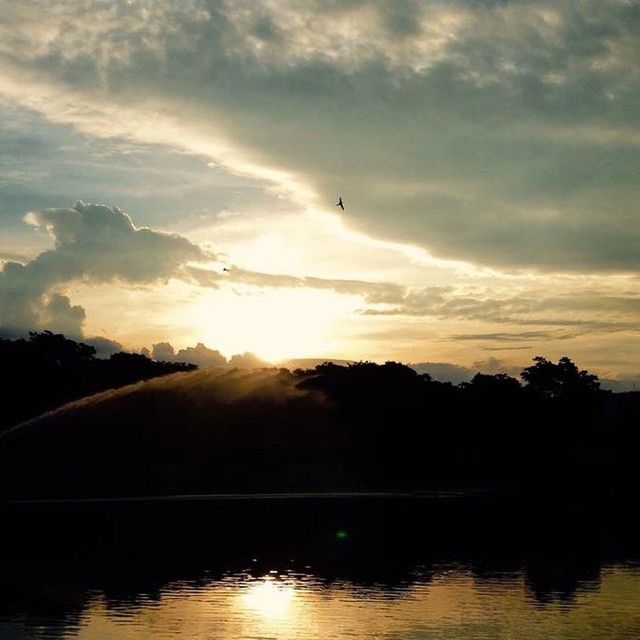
(93, 243)
(104, 347)
(203, 357)
(163, 351)
(101, 244)
(199, 355)
(246, 361)
(504, 133)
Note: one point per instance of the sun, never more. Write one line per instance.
(275, 324)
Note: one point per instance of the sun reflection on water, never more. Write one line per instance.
(269, 597)
(448, 602)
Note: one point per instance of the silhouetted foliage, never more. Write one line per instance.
(47, 370)
(559, 380)
(499, 384)
(360, 426)
(409, 430)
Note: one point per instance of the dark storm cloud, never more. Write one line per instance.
(504, 133)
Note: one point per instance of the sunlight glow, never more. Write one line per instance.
(275, 324)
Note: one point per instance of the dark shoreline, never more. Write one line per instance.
(373, 539)
(293, 495)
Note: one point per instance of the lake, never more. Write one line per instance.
(340, 567)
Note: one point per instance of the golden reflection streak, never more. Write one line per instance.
(269, 598)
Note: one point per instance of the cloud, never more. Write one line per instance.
(583, 311)
(203, 357)
(563, 311)
(42, 162)
(622, 384)
(93, 243)
(60, 316)
(372, 292)
(494, 365)
(512, 336)
(198, 355)
(455, 373)
(246, 361)
(444, 371)
(163, 351)
(499, 133)
(104, 346)
(97, 244)
(11, 256)
(88, 238)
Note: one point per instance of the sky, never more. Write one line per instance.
(169, 172)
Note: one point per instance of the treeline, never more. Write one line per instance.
(360, 426)
(46, 370)
(556, 428)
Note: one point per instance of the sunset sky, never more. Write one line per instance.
(488, 154)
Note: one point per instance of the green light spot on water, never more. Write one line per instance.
(341, 534)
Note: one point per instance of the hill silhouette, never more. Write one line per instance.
(332, 428)
(204, 431)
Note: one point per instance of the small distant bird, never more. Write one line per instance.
(340, 204)
(225, 269)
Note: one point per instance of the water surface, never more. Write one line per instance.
(340, 569)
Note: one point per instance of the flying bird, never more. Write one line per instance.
(340, 204)
(225, 269)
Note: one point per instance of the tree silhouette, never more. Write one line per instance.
(46, 370)
(496, 384)
(385, 426)
(561, 379)
(55, 349)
